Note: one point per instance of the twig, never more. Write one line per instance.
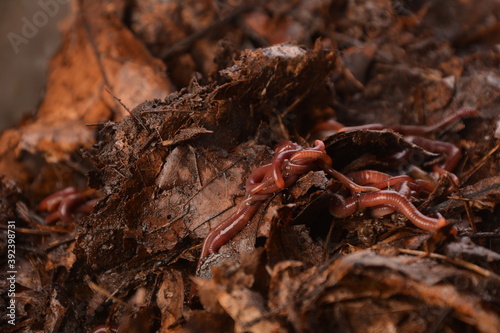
(134, 116)
(479, 164)
(29, 231)
(455, 261)
(186, 43)
(106, 293)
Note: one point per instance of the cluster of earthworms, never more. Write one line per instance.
(66, 205)
(415, 134)
(289, 162)
(381, 192)
(385, 202)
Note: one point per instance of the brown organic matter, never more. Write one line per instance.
(157, 115)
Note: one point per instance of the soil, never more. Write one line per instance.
(160, 110)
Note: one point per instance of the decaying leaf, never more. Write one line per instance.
(165, 108)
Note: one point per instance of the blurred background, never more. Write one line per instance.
(30, 36)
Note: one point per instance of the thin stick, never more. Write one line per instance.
(459, 262)
(186, 43)
(134, 116)
(478, 165)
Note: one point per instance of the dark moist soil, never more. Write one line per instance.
(161, 110)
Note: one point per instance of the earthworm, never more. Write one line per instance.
(441, 171)
(105, 329)
(345, 180)
(255, 182)
(324, 161)
(52, 217)
(268, 186)
(261, 181)
(291, 161)
(277, 165)
(319, 146)
(286, 145)
(282, 152)
(382, 180)
(420, 130)
(305, 160)
(402, 188)
(223, 232)
(374, 127)
(364, 177)
(311, 155)
(53, 201)
(415, 134)
(402, 205)
(425, 185)
(327, 125)
(297, 169)
(88, 206)
(69, 205)
(66, 203)
(259, 185)
(451, 151)
(377, 179)
(403, 184)
(425, 130)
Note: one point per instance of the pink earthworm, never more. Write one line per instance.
(53, 201)
(452, 152)
(403, 184)
(291, 161)
(420, 130)
(327, 125)
(66, 204)
(344, 180)
(319, 146)
(425, 185)
(298, 169)
(255, 181)
(87, 207)
(286, 145)
(311, 155)
(224, 231)
(378, 179)
(382, 180)
(277, 164)
(261, 181)
(416, 134)
(364, 177)
(374, 127)
(52, 217)
(105, 329)
(69, 205)
(347, 207)
(402, 188)
(259, 185)
(441, 171)
(306, 160)
(324, 161)
(269, 186)
(426, 130)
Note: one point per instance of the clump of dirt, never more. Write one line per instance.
(162, 110)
